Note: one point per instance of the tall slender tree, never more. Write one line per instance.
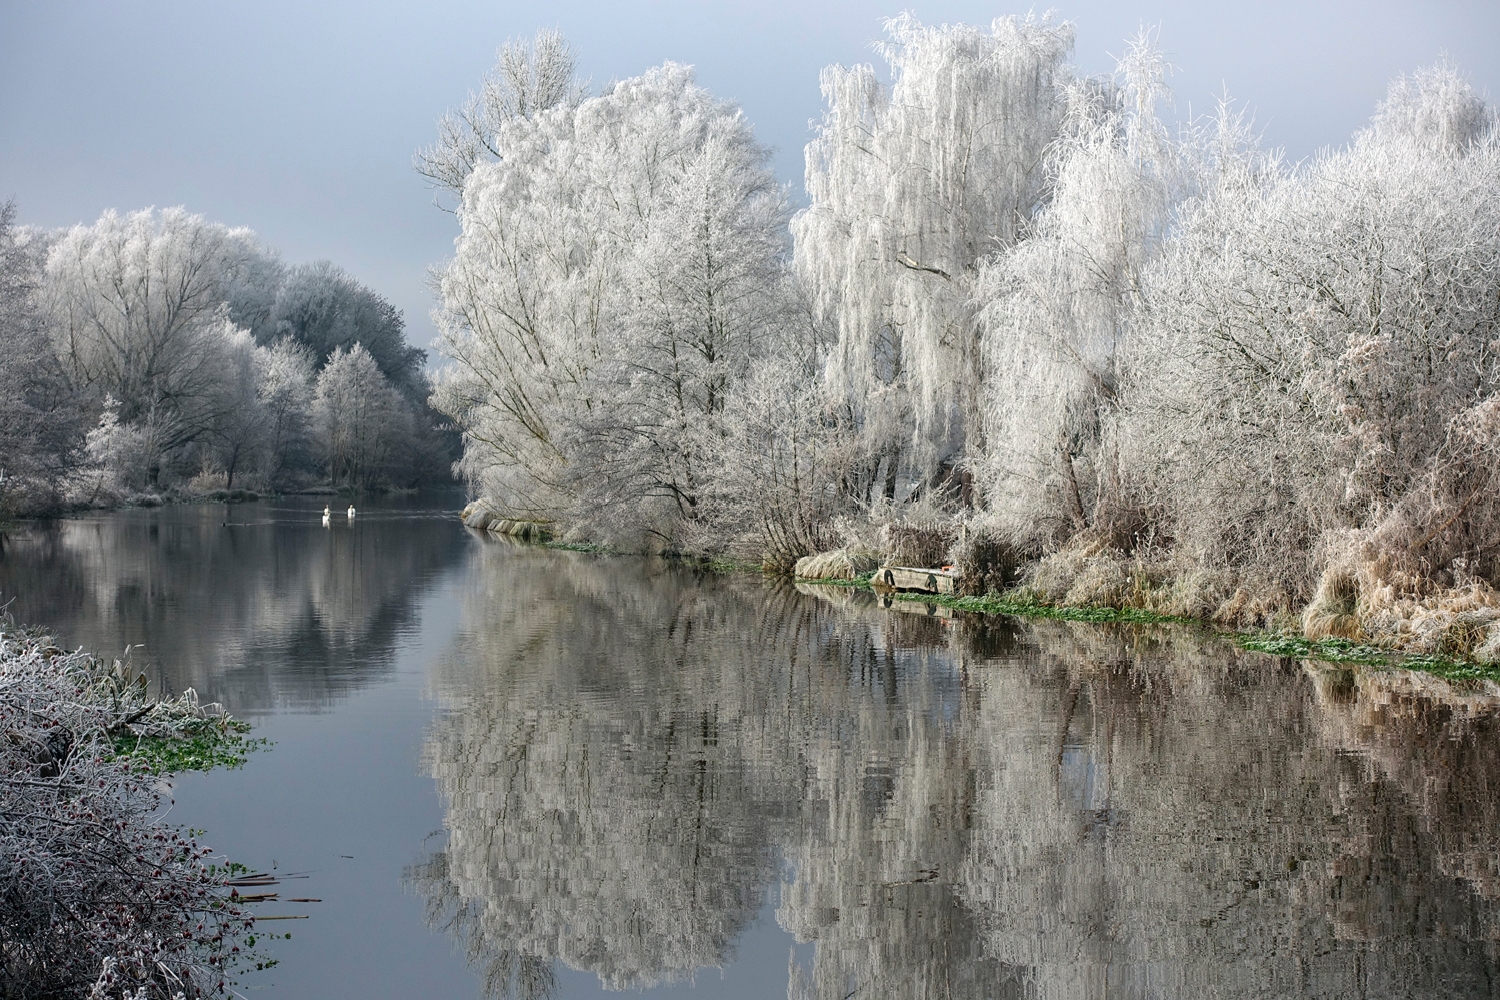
(911, 184)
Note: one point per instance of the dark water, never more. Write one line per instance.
(512, 771)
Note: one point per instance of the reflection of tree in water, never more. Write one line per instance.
(964, 811)
(600, 809)
(275, 611)
(1168, 822)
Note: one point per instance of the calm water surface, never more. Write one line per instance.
(517, 772)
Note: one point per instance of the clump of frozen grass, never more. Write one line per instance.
(848, 563)
(1333, 611)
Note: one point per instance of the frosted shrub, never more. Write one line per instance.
(97, 896)
(1316, 375)
(779, 489)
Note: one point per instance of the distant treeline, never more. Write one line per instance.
(1126, 362)
(160, 353)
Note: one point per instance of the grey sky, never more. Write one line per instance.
(299, 120)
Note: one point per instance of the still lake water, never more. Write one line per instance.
(515, 771)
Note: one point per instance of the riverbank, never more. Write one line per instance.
(1280, 636)
(98, 896)
(1022, 603)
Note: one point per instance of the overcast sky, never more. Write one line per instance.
(299, 119)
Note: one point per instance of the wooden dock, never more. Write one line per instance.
(931, 581)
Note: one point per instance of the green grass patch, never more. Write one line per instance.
(724, 564)
(200, 748)
(1343, 651)
(1449, 668)
(1000, 604)
(1302, 648)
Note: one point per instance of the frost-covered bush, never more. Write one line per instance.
(1316, 374)
(97, 896)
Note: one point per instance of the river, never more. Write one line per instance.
(512, 771)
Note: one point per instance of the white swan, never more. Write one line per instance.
(351, 512)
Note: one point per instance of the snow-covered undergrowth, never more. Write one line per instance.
(98, 896)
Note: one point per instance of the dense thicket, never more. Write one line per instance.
(1020, 315)
(156, 351)
(98, 897)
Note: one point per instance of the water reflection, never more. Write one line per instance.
(255, 605)
(634, 755)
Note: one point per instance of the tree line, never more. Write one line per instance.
(157, 353)
(1118, 360)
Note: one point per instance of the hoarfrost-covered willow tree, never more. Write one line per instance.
(619, 270)
(911, 185)
(1055, 306)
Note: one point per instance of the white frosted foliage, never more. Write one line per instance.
(619, 268)
(1056, 306)
(910, 185)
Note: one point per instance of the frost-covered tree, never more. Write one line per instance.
(320, 306)
(910, 185)
(251, 293)
(618, 271)
(526, 80)
(41, 430)
(239, 437)
(285, 392)
(1055, 307)
(136, 311)
(362, 419)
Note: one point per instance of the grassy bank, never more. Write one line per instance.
(1026, 603)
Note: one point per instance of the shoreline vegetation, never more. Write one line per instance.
(100, 897)
(1453, 657)
(1088, 357)
(1294, 645)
